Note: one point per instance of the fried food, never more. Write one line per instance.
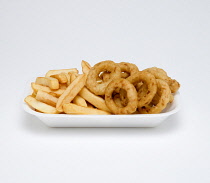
(68, 78)
(127, 69)
(147, 90)
(63, 86)
(131, 95)
(124, 75)
(48, 81)
(37, 87)
(61, 77)
(53, 72)
(46, 98)
(79, 101)
(105, 76)
(53, 94)
(118, 101)
(73, 76)
(171, 98)
(71, 91)
(161, 74)
(40, 106)
(85, 67)
(90, 105)
(94, 99)
(75, 109)
(163, 95)
(174, 85)
(105, 88)
(93, 85)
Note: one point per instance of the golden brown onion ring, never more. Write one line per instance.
(131, 95)
(163, 95)
(127, 69)
(147, 89)
(161, 74)
(118, 101)
(109, 66)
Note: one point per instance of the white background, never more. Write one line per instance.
(36, 36)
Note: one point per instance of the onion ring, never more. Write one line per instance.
(118, 101)
(125, 75)
(174, 85)
(104, 76)
(163, 95)
(147, 89)
(131, 95)
(161, 74)
(109, 66)
(127, 69)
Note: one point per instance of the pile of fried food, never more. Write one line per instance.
(105, 88)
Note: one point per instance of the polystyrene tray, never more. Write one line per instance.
(134, 120)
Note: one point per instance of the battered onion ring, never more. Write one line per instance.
(125, 75)
(131, 95)
(118, 101)
(161, 74)
(127, 69)
(104, 76)
(109, 66)
(157, 97)
(156, 107)
(174, 85)
(147, 90)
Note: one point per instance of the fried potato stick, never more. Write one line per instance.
(72, 109)
(72, 76)
(79, 101)
(61, 77)
(37, 87)
(68, 78)
(40, 106)
(94, 99)
(48, 81)
(85, 67)
(72, 90)
(46, 98)
(53, 72)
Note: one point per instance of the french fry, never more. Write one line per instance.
(63, 86)
(46, 98)
(85, 67)
(61, 77)
(73, 76)
(48, 81)
(53, 72)
(71, 91)
(72, 109)
(89, 105)
(53, 94)
(33, 94)
(93, 99)
(37, 87)
(40, 106)
(79, 101)
(68, 78)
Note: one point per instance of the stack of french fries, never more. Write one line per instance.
(64, 91)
